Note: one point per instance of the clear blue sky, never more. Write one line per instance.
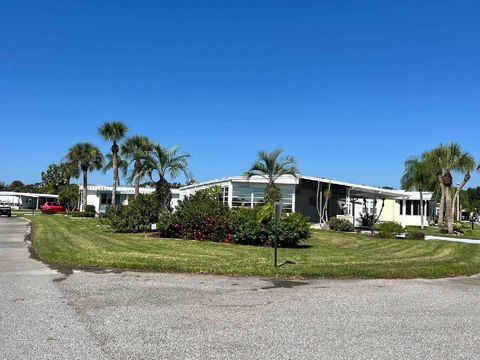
(350, 88)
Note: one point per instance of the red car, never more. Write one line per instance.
(53, 208)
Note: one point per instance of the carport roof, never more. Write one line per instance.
(33, 195)
(361, 191)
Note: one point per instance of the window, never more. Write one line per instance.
(106, 199)
(401, 206)
(416, 207)
(224, 195)
(408, 205)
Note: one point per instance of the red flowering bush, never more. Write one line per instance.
(202, 217)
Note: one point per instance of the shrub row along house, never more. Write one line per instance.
(307, 195)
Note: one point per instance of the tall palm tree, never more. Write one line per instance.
(272, 165)
(122, 166)
(417, 176)
(113, 132)
(451, 158)
(432, 161)
(164, 162)
(137, 149)
(86, 157)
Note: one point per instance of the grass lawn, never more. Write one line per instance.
(83, 242)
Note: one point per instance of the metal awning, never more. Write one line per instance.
(361, 191)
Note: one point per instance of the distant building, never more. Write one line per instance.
(100, 196)
(25, 200)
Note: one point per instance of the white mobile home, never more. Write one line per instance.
(100, 196)
(21, 200)
(302, 194)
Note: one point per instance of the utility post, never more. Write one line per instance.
(278, 214)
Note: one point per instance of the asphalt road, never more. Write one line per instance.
(46, 314)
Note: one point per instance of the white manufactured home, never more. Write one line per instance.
(100, 196)
(21, 200)
(303, 193)
(300, 194)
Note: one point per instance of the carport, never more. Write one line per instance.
(347, 200)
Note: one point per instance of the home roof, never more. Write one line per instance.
(122, 189)
(356, 190)
(34, 195)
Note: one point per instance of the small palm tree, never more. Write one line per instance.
(417, 176)
(271, 166)
(137, 149)
(86, 157)
(164, 162)
(113, 132)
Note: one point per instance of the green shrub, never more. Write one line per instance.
(134, 217)
(90, 209)
(293, 228)
(458, 227)
(389, 229)
(248, 228)
(81, 214)
(341, 225)
(202, 216)
(257, 227)
(416, 235)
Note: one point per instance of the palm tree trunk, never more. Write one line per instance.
(449, 209)
(85, 184)
(441, 210)
(115, 178)
(421, 210)
(138, 166)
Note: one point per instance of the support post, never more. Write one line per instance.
(278, 214)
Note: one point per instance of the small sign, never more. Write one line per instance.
(153, 227)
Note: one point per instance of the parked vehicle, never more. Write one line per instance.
(5, 210)
(53, 208)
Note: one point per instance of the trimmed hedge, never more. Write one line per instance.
(389, 229)
(134, 217)
(341, 225)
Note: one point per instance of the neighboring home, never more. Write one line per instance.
(25, 200)
(100, 196)
(407, 210)
(300, 194)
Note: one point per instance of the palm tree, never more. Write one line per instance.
(113, 132)
(122, 166)
(451, 158)
(86, 157)
(271, 166)
(417, 176)
(137, 149)
(166, 162)
(432, 161)
(69, 170)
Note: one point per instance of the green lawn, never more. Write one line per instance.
(62, 240)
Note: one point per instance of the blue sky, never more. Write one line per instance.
(350, 88)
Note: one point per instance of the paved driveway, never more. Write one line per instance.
(179, 316)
